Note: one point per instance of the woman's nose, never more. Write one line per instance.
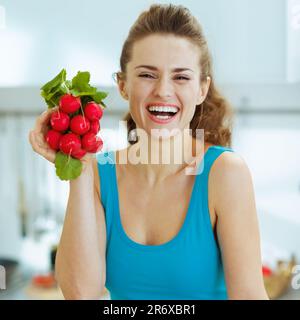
(163, 88)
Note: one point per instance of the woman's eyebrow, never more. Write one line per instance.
(155, 69)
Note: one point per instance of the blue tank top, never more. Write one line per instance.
(188, 267)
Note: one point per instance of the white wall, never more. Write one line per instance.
(247, 38)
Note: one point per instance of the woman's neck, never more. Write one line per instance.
(157, 159)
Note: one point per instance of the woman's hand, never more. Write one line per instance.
(39, 143)
(37, 135)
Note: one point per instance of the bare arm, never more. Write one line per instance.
(80, 262)
(237, 228)
(80, 265)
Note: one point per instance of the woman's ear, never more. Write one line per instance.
(122, 88)
(204, 90)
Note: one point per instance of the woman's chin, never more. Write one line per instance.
(164, 133)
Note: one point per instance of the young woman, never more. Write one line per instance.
(151, 231)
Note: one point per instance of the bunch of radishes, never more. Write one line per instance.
(74, 128)
(75, 124)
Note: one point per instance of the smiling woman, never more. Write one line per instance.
(150, 230)
(197, 245)
(180, 38)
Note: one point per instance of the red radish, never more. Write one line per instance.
(91, 142)
(59, 121)
(80, 125)
(69, 142)
(95, 126)
(266, 271)
(78, 154)
(97, 147)
(69, 103)
(93, 111)
(53, 137)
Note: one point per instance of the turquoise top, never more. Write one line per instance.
(188, 267)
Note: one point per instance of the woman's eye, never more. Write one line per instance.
(150, 76)
(182, 78)
(145, 76)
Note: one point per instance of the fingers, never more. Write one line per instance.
(40, 140)
(30, 137)
(39, 146)
(36, 135)
(41, 122)
(33, 142)
(43, 119)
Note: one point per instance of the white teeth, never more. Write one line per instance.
(163, 117)
(163, 109)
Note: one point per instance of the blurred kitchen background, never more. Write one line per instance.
(256, 53)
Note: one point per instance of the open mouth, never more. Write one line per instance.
(163, 113)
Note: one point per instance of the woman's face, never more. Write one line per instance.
(163, 83)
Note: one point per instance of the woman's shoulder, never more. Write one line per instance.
(230, 180)
(230, 176)
(228, 162)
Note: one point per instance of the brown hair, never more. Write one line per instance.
(214, 115)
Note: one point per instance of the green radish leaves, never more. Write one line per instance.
(54, 89)
(67, 168)
(55, 82)
(98, 96)
(79, 87)
(81, 82)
